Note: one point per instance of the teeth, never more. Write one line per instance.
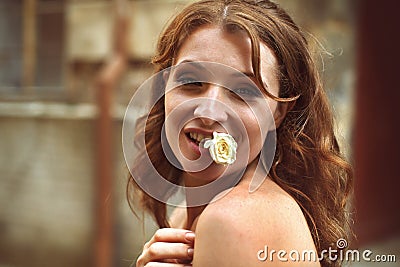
(193, 136)
(198, 137)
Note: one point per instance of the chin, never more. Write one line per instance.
(211, 173)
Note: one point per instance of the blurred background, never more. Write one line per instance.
(68, 69)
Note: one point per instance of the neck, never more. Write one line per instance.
(192, 214)
(191, 199)
(194, 211)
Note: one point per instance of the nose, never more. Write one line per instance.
(211, 107)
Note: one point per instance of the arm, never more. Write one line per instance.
(232, 234)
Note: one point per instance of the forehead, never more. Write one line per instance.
(214, 44)
(211, 43)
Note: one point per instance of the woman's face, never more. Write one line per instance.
(212, 87)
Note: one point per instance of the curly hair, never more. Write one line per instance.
(308, 163)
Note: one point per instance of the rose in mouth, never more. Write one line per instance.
(222, 148)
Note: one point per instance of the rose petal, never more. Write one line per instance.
(222, 148)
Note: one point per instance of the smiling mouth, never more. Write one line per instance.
(197, 137)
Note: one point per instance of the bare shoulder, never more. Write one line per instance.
(232, 230)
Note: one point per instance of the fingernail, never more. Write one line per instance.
(190, 236)
(190, 252)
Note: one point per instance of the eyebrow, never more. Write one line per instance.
(251, 76)
(248, 74)
(236, 74)
(194, 63)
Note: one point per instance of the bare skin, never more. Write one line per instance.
(232, 230)
(168, 247)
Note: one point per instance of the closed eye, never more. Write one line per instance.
(188, 81)
(246, 92)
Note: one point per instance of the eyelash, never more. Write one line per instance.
(248, 92)
(188, 81)
(242, 92)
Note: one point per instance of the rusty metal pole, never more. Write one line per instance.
(103, 181)
(105, 84)
(29, 44)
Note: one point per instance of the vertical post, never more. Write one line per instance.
(29, 44)
(105, 85)
(377, 142)
(103, 179)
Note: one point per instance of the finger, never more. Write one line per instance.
(162, 264)
(163, 250)
(184, 261)
(172, 235)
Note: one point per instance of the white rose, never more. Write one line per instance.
(222, 148)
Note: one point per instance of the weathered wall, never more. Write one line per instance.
(47, 162)
(46, 170)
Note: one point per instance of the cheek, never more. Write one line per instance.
(174, 100)
(174, 112)
(171, 119)
(257, 123)
(272, 105)
(253, 129)
(168, 103)
(256, 141)
(168, 107)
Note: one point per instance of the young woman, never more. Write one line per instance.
(242, 68)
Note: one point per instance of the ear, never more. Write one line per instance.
(281, 110)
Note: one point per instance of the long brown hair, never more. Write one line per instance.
(308, 163)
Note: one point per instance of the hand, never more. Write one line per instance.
(169, 247)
